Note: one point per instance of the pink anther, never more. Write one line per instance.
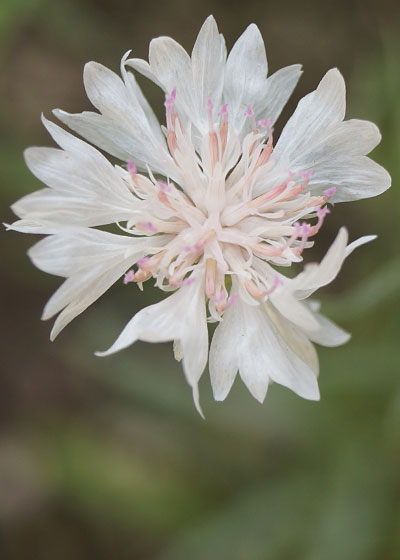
(223, 111)
(250, 114)
(146, 227)
(170, 99)
(141, 262)
(164, 187)
(132, 168)
(129, 277)
(330, 192)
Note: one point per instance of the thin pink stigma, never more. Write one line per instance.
(129, 277)
(330, 192)
(132, 168)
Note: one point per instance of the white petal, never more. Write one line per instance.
(85, 188)
(316, 113)
(172, 67)
(245, 74)
(295, 338)
(91, 260)
(355, 177)
(208, 60)
(127, 127)
(315, 275)
(252, 341)
(279, 87)
(328, 333)
(180, 317)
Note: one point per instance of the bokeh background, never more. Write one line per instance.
(107, 458)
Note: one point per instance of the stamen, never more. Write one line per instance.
(266, 197)
(223, 129)
(129, 277)
(211, 276)
(330, 192)
(141, 262)
(254, 290)
(164, 186)
(141, 276)
(132, 169)
(146, 227)
(210, 108)
(250, 113)
(277, 282)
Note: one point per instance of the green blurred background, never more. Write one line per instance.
(107, 458)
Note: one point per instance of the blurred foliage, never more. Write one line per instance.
(107, 458)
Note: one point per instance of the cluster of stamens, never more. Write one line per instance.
(215, 221)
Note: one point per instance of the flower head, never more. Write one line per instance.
(209, 207)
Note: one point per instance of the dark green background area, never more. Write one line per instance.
(107, 458)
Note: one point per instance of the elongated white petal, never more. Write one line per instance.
(328, 333)
(208, 61)
(279, 87)
(317, 275)
(179, 317)
(251, 342)
(85, 188)
(245, 75)
(91, 260)
(355, 177)
(316, 113)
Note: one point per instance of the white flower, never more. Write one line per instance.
(216, 213)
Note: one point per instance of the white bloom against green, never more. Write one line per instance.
(208, 207)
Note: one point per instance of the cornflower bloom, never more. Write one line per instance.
(209, 207)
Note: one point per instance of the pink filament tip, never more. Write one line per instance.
(224, 110)
(265, 123)
(307, 175)
(232, 299)
(142, 261)
(170, 99)
(132, 168)
(188, 281)
(249, 111)
(164, 187)
(147, 225)
(322, 212)
(330, 192)
(129, 277)
(210, 105)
